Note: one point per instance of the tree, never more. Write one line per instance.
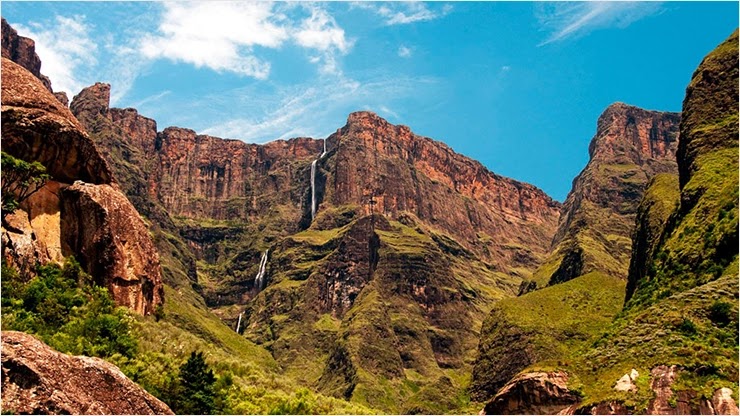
(197, 392)
(20, 179)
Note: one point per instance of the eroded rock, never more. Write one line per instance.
(533, 393)
(112, 244)
(39, 380)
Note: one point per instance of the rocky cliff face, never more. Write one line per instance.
(679, 324)
(631, 146)
(22, 51)
(500, 219)
(38, 380)
(37, 127)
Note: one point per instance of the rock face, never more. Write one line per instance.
(500, 219)
(533, 393)
(37, 127)
(631, 146)
(22, 51)
(94, 218)
(39, 380)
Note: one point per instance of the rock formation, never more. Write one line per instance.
(630, 147)
(39, 380)
(22, 51)
(37, 127)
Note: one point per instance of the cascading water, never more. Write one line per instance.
(259, 280)
(313, 182)
(239, 323)
(313, 189)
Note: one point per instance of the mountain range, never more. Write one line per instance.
(377, 270)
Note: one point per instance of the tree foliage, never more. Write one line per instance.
(197, 387)
(68, 312)
(20, 179)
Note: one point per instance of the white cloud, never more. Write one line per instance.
(402, 13)
(65, 48)
(574, 19)
(404, 52)
(217, 35)
(224, 36)
(505, 68)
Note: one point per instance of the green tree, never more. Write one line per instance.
(20, 179)
(197, 392)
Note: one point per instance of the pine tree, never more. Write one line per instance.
(197, 391)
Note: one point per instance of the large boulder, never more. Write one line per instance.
(111, 241)
(39, 380)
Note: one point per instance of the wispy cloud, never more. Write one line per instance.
(67, 49)
(314, 109)
(574, 19)
(404, 52)
(401, 13)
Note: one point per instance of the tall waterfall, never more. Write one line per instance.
(239, 323)
(259, 280)
(313, 182)
(313, 189)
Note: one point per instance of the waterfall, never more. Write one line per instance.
(313, 182)
(239, 322)
(259, 280)
(313, 189)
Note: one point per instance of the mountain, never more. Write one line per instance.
(80, 210)
(673, 346)
(453, 237)
(630, 147)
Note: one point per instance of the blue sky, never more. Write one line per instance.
(516, 85)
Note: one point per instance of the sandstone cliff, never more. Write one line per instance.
(38, 380)
(37, 127)
(673, 348)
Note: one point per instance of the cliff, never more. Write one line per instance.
(22, 51)
(630, 147)
(38, 380)
(673, 347)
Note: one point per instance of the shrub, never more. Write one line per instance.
(720, 313)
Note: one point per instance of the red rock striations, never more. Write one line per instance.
(503, 220)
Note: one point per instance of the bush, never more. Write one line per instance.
(20, 180)
(196, 389)
(67, 312)
(720, 313)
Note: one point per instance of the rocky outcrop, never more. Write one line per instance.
(37, 127)
(39, 380)
(630, 147)
(60, 220)
(112, 243)
(22, 51)
(533, 393)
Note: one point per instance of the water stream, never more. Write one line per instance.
(259, 280)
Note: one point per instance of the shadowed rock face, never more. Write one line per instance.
(630, 147)
(37, 127)
(39, 380)
(92, 221)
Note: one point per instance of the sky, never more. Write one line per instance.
(516, 85)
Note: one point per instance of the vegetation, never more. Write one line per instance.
(66, 311)
(20, 179)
